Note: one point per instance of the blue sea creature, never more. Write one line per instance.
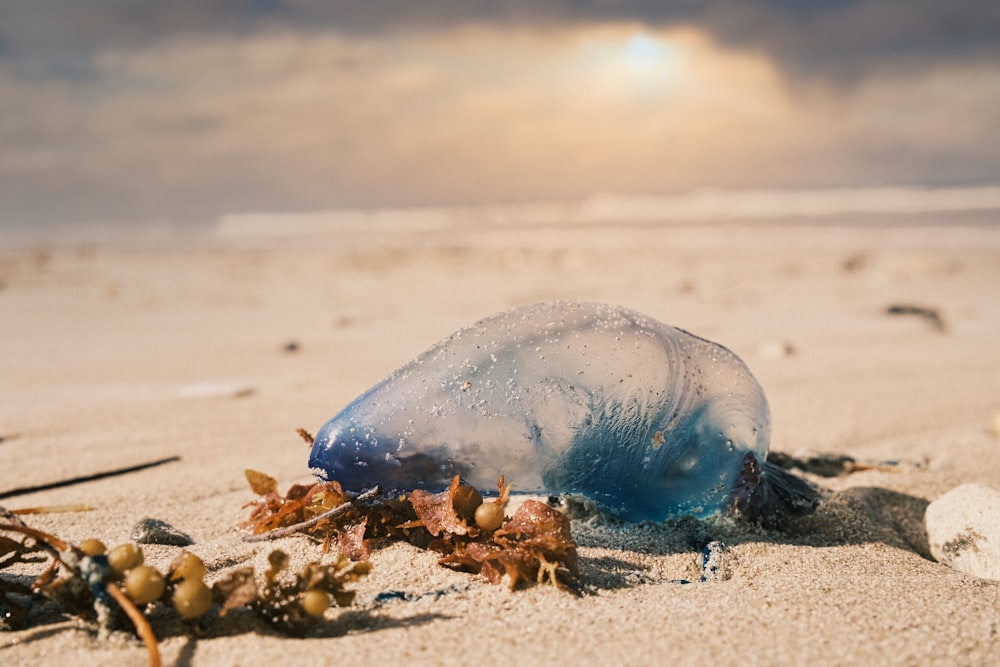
(645, 420)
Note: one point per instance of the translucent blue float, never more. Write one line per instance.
(645, 420)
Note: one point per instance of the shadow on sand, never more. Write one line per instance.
(855, 516)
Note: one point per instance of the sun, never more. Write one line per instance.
(639, 64)
(643, 51)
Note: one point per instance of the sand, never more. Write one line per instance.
(121, 353)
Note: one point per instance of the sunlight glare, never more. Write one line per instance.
(643, 50)
(645, 64)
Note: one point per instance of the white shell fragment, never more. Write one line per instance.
(963, 530)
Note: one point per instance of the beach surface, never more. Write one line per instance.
(217, 349)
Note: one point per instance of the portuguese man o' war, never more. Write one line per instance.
(645, 420)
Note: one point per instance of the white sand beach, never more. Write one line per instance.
(118, 354)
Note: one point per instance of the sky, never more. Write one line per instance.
(189, 111)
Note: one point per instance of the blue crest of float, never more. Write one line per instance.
(645, 420)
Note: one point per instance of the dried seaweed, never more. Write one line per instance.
(437, 511)
(931, 315)
(82, 584)
(535, 545)
(303, 508)
(104, 474)
(292, 605)
(112, 588)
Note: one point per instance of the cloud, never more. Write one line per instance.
(835, 41)
(191, 110)
(191, 124)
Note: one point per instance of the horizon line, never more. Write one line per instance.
(702, 205)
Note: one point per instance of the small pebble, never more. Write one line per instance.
(715, 562)
(963, 530)
(154, 531)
